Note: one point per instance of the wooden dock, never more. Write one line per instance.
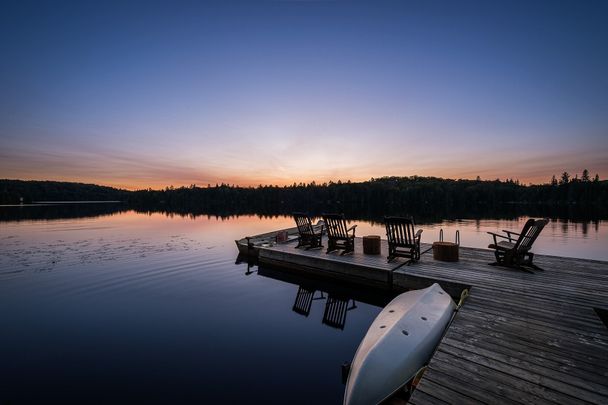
(520, 338)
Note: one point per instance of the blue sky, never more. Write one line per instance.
(148, 94)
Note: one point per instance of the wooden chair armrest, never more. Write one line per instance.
(418, 234)
(352, 228)
(495, 235)
(510, 232)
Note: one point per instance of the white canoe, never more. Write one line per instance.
(399, 342)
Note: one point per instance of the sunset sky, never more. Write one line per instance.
(151, 94)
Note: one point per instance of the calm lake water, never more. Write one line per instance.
(152, 308)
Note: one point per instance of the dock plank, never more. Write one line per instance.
(564, 361)
(482, 384)
(443, 393)
(506, 367)
(423, 398)
(508, 357)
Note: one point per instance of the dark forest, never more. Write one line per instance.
(426, 196)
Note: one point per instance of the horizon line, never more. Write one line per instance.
(298, 183)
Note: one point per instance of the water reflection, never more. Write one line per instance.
(304, 298)
(340, 297)
(157, 305)
(564, 236)
(575, 213)
(336, 309)
(32, 212)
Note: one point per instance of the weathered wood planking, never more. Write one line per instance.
(520, 339)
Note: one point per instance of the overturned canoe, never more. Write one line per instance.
(399, 342)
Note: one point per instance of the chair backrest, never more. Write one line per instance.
(400, 231)
(336, 226)
(304, 223)
(528, 235)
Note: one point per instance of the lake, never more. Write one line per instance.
(151, 307)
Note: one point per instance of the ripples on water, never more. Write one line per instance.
(152, 308)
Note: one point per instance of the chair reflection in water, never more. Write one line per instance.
(336, 307)
(335, 311)
(304, 299)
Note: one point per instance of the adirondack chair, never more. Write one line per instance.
(403, 240)
(339, 236)
(515, 250)
(307, 235)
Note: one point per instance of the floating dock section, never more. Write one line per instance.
(520, 338)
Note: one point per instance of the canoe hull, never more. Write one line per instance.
(399, 342)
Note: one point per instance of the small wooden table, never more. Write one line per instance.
(445, 251)
(371, 245)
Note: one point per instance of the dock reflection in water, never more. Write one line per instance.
(335, 307)
(340, 297)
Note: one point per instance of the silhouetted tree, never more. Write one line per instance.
(565, 178)
(585, 176)
(553, 181)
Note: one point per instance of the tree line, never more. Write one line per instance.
(29, 191)
(386, 195)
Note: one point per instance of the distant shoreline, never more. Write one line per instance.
(46, 203)
(395, 195)
(75, 202)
